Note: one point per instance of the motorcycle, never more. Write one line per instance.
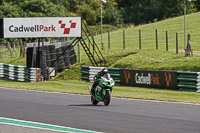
(102, 90)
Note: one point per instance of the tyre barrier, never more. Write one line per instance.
(66, 57)
(20, 73)
(48, 56)
(60, 61)
(72, 55)
(54, 59)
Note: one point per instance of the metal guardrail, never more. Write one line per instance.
(198, 82)
(187, 80)
(89, 72)
(115, 74)
(85, 72)
(20, 73)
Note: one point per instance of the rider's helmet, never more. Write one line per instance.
(104, 71)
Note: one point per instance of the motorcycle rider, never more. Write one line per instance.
(96, 79)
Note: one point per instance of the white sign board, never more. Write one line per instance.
(42, 27)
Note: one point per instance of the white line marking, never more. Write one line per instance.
(17, 122)
(34, 127)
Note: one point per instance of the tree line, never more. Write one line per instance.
(115, 12)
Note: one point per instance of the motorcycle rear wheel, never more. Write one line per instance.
(94, 101)
(107, 98)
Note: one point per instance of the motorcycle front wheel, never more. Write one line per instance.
(94, 101)
(107, 98)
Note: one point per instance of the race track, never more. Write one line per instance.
(121, 116)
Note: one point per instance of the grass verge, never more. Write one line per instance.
(80, 87)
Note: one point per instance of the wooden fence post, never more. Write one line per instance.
(123, 39)
(140, 39)
(156, 39)
(21, 48)
(9, 48)
(166, 41)
(108, 39)
(24, 49)
(176, 43)
(189, 47)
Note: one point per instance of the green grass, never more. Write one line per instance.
(148, 58)
(15, 60)
(80, 87)
(162, 60)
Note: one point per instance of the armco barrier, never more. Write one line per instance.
(85, 72)
(88, 73)
(198, 82)
(19, 73)
(115, 74)
(187, 80)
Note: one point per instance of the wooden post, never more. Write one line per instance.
(37, 80)
(123, 39)
(156, 39)
(24, 50)
(166, 41)
(21, 47)
(9, 47)
(108, 39)
(189, 47)
(176, 43)
(140, 39)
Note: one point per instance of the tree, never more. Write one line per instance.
(1, 2)
(88, 14)
(42, 8)
(113, 16)
(8, 10)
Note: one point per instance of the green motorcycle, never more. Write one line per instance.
(103, 90)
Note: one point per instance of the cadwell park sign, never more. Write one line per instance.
(41, 27)
(152, 79)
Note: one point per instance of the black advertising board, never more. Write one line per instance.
(151, 79)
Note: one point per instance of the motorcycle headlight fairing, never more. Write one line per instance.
(104, 83)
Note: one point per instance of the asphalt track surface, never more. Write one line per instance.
(121, 116)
